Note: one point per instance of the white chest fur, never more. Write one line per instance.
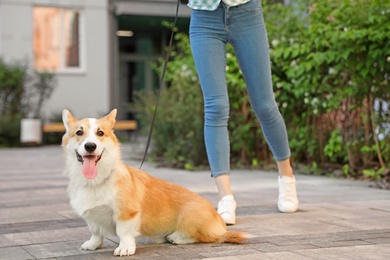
(95, 204)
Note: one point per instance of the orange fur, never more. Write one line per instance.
(138, 202)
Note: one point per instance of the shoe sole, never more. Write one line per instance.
(230, 221)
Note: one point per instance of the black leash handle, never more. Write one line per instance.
(161, 84)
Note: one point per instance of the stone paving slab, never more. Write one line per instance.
(337, 219)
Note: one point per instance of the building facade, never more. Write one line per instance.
(100, 50)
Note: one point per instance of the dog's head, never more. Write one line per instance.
(90, 146)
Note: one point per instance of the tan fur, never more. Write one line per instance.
(141, 203)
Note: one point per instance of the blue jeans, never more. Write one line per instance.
(244, 28)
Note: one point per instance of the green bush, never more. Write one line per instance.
(178, 130)
(11, 88)
(12, 78)
(329, 70)
(10, 131)
(22, 95)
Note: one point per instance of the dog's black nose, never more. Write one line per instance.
(90, 147)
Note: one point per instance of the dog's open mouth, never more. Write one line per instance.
(89, 163)
(90, 157)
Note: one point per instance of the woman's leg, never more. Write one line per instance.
(208, 42)
(250, 42)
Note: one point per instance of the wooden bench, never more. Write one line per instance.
(119, 125)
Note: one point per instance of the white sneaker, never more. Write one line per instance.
(288, 199)
(227, 209)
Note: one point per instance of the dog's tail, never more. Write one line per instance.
(236, 237)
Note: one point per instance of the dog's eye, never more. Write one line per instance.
(79, 132)
(100, 133)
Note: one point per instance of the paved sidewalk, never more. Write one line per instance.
(337, 219)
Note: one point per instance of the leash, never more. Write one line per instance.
(168, 54)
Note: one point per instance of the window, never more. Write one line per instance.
(56, 38)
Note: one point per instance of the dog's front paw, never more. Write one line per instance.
(91, 245)
(124, 250)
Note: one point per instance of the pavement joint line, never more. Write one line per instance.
(46, 187)
(382, 210)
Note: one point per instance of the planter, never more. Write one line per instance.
(30, 132)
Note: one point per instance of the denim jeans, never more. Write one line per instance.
(244, 28)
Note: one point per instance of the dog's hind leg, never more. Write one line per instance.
(193, 225)
(180, 238)
(158, 239)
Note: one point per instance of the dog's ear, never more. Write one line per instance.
(111, 117)
(67, 119)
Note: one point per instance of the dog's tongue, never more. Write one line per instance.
(89, 167)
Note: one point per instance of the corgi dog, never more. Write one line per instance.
(118, 199)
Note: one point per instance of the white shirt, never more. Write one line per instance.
(211, 5)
